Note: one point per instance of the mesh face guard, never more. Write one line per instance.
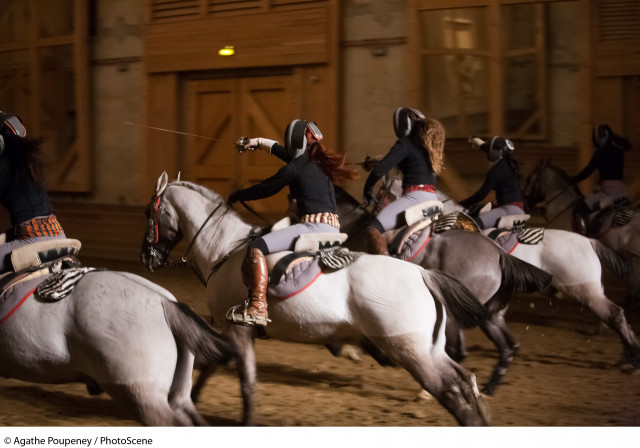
(403, 119)
(295, 140)
(11, 125)
(498, 147)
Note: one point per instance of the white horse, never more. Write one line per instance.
(398, 306)
(118, 333)
(548, 189)
(576, 263)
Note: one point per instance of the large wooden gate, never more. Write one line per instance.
(225, 109)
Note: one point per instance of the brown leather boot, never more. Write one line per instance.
(376, 244)
(254, 310)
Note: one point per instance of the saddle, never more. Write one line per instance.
(601, 221)
(33, 266)
(314, 253)
(40, 258)
(419, 219)
(511, 230)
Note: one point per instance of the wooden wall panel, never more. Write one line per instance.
(162, 112)
(279, 38)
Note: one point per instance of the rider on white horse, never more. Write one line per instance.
(418, 154)
(22, 191)
(504, 177)
(608, 159)
(309, 173)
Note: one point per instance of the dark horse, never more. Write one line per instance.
(491, 274)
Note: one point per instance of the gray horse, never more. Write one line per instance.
(400, 307)
(490, 273)
(118, 333)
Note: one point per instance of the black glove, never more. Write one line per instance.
(368, 196)
(233, 198)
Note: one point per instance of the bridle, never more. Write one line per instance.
(184, 260)
(545, 203)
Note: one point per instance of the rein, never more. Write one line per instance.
(252, 211)
(547, 202)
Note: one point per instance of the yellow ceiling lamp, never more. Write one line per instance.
(228, 50)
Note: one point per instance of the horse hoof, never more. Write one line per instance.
(423, 395)
(489, 390)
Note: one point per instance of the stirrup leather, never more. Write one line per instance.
(238, 315)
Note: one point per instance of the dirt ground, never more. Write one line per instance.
(566, 374)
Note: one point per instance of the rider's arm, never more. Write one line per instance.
(280, 152)
(267, 187)
(489, 184)
(395, 155)
(587, 170)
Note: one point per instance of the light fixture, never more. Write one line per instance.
(226, 51)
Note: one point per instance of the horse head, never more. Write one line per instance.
(163, 232)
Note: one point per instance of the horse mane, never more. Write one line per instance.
(204, 191)
(562, 173)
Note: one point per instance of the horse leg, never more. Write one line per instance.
(451, 384)
(495, 328)
(180, 392)
(205, 372)
(148, 402)
(613, 315)
(246, 365)
(455, 345)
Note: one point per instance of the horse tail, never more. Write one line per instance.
(208, 346)
(520, 276)
(617, 262)
(460, 303)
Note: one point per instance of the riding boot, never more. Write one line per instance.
(254, 310)
(579, 221)
(376, 243)
(579, 224)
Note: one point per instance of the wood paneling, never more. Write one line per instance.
(279, 38)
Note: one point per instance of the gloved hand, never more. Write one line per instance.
(476, 142)
(233, 198)
(369, 197)
(259, 143)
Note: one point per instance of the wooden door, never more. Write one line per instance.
(222, 110)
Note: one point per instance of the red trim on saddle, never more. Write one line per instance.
(298, 292)
(514, 247)
(422, 187)
(17, 306)
(421, 247)
(520, 205)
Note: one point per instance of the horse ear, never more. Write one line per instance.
(163, 180)
(178, 177)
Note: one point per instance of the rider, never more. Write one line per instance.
(310, 172)
(504, 177)
(608, 159)
(22, 190)
(418, 154)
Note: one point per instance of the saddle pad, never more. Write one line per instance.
(14, 296)
(295, 280)
(623, 217)
(62, 283)
(414, 244)
(531, 235)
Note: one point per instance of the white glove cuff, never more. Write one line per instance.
(476, 142)
(266, 143)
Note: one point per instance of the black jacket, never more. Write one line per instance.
(503, 180)
(23, 198)
(413, 161)
(308, 184)
(609, 161)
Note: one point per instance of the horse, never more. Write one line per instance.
(491, 274)
(401, 308)
(118, 333)
(548, 189)
(576, 264)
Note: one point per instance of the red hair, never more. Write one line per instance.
(333, 164)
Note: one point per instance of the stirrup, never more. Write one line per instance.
(238, 315)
